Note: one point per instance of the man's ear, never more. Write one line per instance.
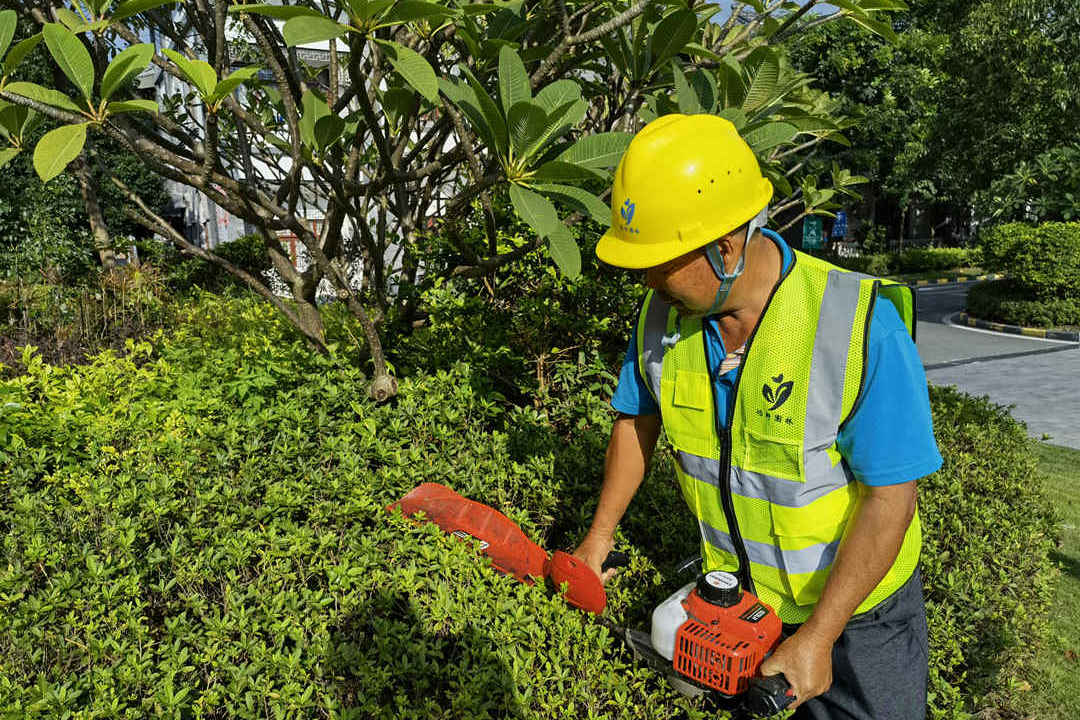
(732, 244)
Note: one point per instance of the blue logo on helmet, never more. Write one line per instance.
(627, 211)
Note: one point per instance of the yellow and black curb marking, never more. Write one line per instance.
(964, 319)
(960, 279)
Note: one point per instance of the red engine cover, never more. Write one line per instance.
(510, 550)
(722, 647)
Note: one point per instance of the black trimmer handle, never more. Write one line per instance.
(768, 695)
(615, 559)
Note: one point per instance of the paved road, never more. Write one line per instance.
(1041, 378)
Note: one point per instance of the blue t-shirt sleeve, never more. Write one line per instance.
(632, 396)
(889, 439)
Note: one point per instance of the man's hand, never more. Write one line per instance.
(805, 659)
(593, 550)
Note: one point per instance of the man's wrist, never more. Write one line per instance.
(826, 628)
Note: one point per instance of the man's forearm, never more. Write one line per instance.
(867, 553)
(629, 451)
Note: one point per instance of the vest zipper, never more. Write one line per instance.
(725, 438)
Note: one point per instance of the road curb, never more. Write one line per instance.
(957, 279)
(965, 319)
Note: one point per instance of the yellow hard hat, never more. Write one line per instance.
(684, 181)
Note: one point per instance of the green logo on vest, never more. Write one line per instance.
(779, 395)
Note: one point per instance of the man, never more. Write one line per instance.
(796, 403)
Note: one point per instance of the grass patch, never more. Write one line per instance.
(1056, 667)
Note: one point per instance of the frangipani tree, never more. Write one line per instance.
(425, 110)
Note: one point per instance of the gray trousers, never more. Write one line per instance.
(879, 663)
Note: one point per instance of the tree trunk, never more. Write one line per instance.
(303, 290)
(98, 227)
(306, 308)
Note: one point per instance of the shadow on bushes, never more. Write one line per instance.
(388, 665)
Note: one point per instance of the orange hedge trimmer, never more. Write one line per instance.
(709, 637)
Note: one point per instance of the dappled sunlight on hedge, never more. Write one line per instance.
(196, 528)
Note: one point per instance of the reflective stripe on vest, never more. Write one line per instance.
(801, 378)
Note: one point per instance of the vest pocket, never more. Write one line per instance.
(686, 409)
(773, 456)
(805, 562)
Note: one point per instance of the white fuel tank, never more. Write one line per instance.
(666, 619)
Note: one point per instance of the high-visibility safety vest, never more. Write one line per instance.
(770, 491)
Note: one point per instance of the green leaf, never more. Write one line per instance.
(565, 252)
(57, 148)
(13, 119)
(235, 79)
(366, 10)
(71, 55)
(698, 50)
(398, 102)
(314, 108)
(525, 122)
(536, 210)
(559, 122)
(617, 49)
(491, 113)
(704, 85)
(126, 106)
(475, 9)
(769, 136)
(734, 115)
(7, 155)
(125, 66)
(8, 21)
(465, 98)
(19, 52)
(599, 151)
(310, 29)
(671, 35)
(411, 10)
(69, 19)
(133, 7)
(581, 200)
(43, 95)
(764, 81)
(688, 100)
(278, 12)
(557, 94)
(877, 27)
(558, 171)
(513, 80)
(412, 66)
(197, 72)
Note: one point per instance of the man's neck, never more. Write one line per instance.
(751, 291)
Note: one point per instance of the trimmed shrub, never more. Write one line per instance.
(196, 529)
(1003, 301)
(878, 264)
(915, 260)
(988, 530)
(1043, 261)
(909, 261)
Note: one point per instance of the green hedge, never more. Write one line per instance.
(934, 259)
(1005, 301)
(196, 530)
(913, 260)
(1043, 261)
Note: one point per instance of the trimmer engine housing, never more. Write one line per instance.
(722, 635)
